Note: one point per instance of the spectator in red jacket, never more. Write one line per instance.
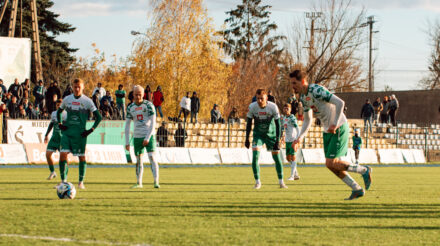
(158, 100)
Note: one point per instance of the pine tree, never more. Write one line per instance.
(55, 55)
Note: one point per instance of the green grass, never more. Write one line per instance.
(217, 206)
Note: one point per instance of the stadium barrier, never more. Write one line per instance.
(115, 154)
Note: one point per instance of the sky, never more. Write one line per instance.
(401, 43)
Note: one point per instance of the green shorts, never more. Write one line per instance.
(73, 144)
(54, 143)
(258, 141)
(139, 145)
(289, 149)
(336, 145)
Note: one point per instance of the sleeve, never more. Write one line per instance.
(49, 128)
(306, 124)
(91, 106)
(152, 122)
(321, 93)
(250, 112)
(339, 108)
(276, 112)
(127, 131)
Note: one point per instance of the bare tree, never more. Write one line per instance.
(432, 81)
(332, 58)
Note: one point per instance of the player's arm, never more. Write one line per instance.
(49, 128)
(127, 133)
(308, 117)
(247, 144)
(278, 134)
(152, 122)
(59, 117)
(339, 105)
(98, 119)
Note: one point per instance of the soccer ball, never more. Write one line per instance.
(66, 191)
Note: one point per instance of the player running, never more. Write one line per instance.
(55, 140)
(329, 109)
(267, 130)
(143, 114)
(74, 133)
(291, 130)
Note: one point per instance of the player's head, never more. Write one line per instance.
(261, 95)
(138, 94)
(287, 108)
(120, 87)
(58, 103)
(298, 78)
(78, 87)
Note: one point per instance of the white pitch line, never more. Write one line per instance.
(63, 239)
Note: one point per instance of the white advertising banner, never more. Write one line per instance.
(27, 131)
(367, 156)
(408, 156)
(106, 154)
(15, 59)
(350, 157)
(234, 156)
(174, 156)
(388, 156)
(204, 156)
(12, 154)
(419, 156)
(313, 156)
(145, 158)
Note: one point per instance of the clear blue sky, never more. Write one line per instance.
(402, 42)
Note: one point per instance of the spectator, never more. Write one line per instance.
(106, 114)
(254, 98)
(39, 93)
(180, 136)
(105, 107)
(162, 135)
(116, 113)
(100, 89)
(21, 113)
(293, 103)
(67, 91)
(130, 97)
(384, 112)
(233, 116)
(3, 87)
(24, 98)
(216, 116)
(31, 112)
(5, 113)
(26, 85)
(107, 97)
(367, 113)
(13, 108)
(7, 99)
(185, 106)
(357, 142)
(195, 107)
(16, 90)
(378, 107)
(270, 97)
(51, 105)
(300, 111)
(120, 100)
(158, 100)
(394, 106)
(25, 103)
(51, 91)
(148, 95)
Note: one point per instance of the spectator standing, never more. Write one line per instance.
(195, 107)
(67, 91)
(51, 105)
(180, 136)
(120, 100)
(3, 87)
(95, 99)
(293, 103)
(39, 93)
(51, 91)
(185, 106)
(105, 107)
(233, 116)
(13, 108)
(148, 94)
(216, 116)
(378, 107)
(100, 89)
(130, 97)
(357, 142)
(158, 100)
(270, 97)
(367, 113)
(162, 135)
(384, 113)
(394, 106)
(116, 113)
(26, 85)
(107, 97)
(31, 112)
(21, 113)
(16, 89)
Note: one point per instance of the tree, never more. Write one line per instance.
(179, 51)
(432, 80)
(56, 56)
(332, 58)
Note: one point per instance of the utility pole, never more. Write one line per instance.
(36, 42)
(312, 16)
(370, 22)
(13, 19)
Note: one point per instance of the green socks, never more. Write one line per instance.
(82, 170)
(64, 169)
(255, 166)
(278, 165)
(51, 168)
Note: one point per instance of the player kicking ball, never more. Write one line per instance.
(74, 133)
(143, 114)
(55, 140)
(267, 130)
(290, 130)
(328, 108)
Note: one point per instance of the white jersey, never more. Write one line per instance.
(264, 118)
(317, 99)
(53, 117)
(144, 118)
(290, 127)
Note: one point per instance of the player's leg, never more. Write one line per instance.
(256, 146)
(52, 146)
(50, 163)
(80, 151)
(66, 148)
(151, 148)
(139, 151)
(276, 156)
(290, 155)
(356, 155)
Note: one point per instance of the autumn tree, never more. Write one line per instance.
(332, 58)
(179, 51)
(432, 80)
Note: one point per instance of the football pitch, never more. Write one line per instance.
(217, 206)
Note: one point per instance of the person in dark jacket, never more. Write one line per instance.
(162, 135)
(39, 93)
(216, 116)
(13, 108)
(16, 90)
(67, 91)
(195, 107)
(180, 136)
(51, 91)
(367, 113)
(384, 112)
(270, 97)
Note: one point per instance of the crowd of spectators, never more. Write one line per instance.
(380, 111)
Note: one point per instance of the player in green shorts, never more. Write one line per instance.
(290, 130)
(267, 130)
(74, 133)
(318, 101)
(55, 140)
(143, 114)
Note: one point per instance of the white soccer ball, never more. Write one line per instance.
(66, 191)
